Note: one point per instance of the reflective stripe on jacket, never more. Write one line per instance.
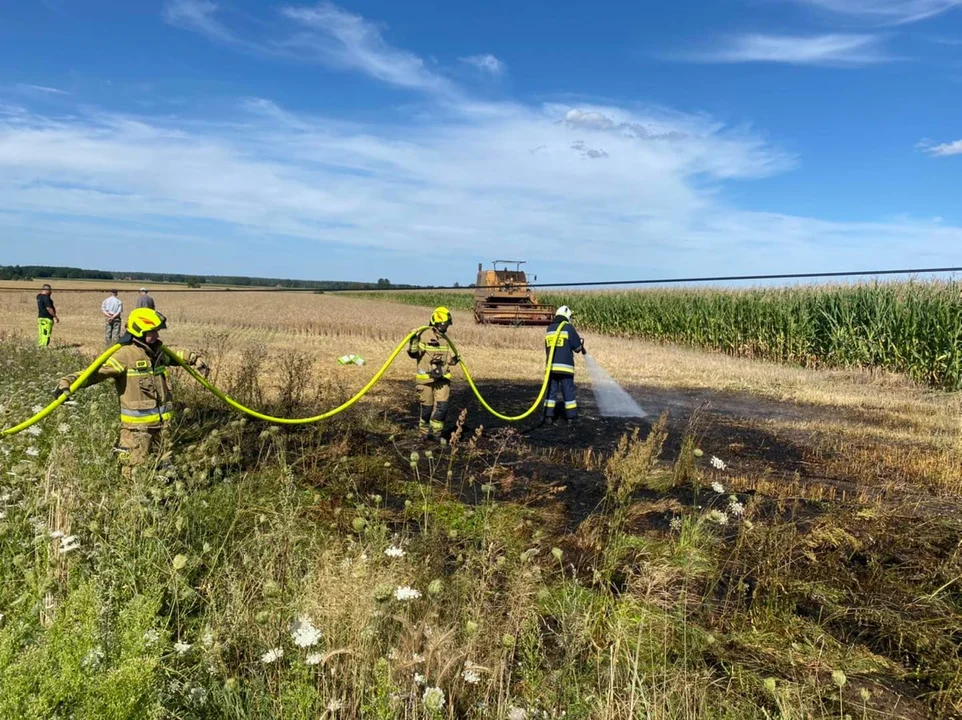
(141, 381)
(434, 354)
(568, 342)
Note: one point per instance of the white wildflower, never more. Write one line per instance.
(197, 695)
(151, 636)
(516, 713)
(718, 487)
(272, 655)
(736, 508)
(69, 544)
(207, 639)
(32, 451)
(181, 648)
(392, 654)
(93, 658)
(334, 705)
(63, 428)
(718, 463)
(405, 593)
(36, 409)
(304, 633)
(33, 430)
(471, 676)
(717, 516)
(675, 523)
(433, 699)
(313, 659)
(394, 552)
(6, 497)
(419, 679)
(56, 535)
(417, 658)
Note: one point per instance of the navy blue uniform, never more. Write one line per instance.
(562, 378)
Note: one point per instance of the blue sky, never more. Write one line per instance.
(414, 140)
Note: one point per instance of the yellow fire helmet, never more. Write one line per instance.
(441, 315)
(144, 320)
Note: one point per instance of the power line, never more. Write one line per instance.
(592, 283)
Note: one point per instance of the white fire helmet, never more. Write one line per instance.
(564, 311)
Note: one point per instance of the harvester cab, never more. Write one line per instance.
(502, 296)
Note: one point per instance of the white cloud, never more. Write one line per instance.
(620, 198)
(346, 40)
(943, 150)
(43, 89)
(485, 63)
(199, 16)
(831, 49)
(890, 11)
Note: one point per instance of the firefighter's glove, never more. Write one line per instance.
(203, 368)
(59, 390)
(455, 360)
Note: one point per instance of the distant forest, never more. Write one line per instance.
(49, 272)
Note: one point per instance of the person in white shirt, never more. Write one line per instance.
(112, 309)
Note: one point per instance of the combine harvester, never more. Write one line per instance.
(502, 297)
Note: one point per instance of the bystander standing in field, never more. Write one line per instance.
(140, 370)
(46, 316)
(562, 378)
(112, 308)
(145, 301)
(434, 362)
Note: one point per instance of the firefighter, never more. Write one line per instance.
(562, 378)
(140, 374)
(434, 362)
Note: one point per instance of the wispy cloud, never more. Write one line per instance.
(942, 150)
(346, 40)
(485, 63)
(42, 89)
(896, 12)
(839, 50)
(199, 16)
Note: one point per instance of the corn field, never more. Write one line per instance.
(913, 328)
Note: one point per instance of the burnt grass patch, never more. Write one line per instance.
(816, 585)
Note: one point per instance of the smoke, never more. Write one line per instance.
(611, 398)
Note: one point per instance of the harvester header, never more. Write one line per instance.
(503, 297)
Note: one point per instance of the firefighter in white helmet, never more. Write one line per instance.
(561, 380)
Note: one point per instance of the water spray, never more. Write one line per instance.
(611, 398)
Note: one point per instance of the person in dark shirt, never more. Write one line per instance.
(145, 301)
(46, 316)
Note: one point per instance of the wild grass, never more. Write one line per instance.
(438, 589)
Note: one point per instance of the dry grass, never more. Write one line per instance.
(858, 424)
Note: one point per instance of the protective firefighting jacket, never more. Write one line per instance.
(434, 356)
(568, 343)
(141, 381)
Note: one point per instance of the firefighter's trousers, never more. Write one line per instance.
(562, 384)
(137, 446)
(44, 331)
(433, 397)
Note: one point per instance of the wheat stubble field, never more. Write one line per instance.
(769, 541)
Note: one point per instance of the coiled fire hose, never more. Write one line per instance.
(96, 364)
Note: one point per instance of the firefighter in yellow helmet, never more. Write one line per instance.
(139, 370)
(435, 358)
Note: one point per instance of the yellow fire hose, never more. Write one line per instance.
(95, 365)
